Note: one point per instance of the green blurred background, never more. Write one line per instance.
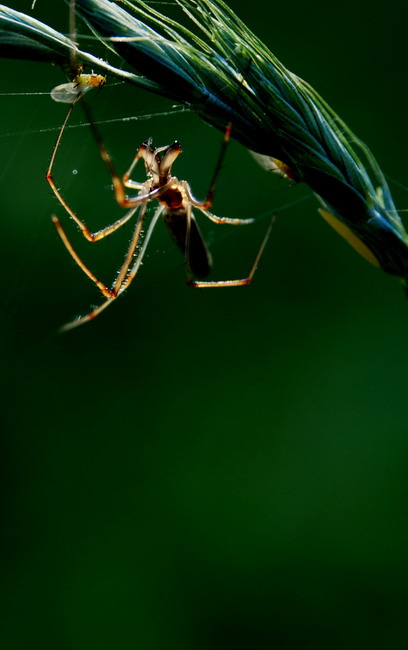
(203, 470)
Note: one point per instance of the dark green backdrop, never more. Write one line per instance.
(205, 470)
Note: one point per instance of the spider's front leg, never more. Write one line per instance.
(127, 181)
(119, 184)
(207, 203)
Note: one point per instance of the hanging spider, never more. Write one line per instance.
(176, 203)
(175, 198)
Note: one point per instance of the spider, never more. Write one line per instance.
(176, 203)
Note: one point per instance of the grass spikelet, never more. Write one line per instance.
(228, 75)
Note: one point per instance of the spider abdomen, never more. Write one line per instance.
(199, 255)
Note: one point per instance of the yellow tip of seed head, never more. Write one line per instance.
(349, 236)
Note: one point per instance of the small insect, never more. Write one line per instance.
(82, 83)
(176, 203)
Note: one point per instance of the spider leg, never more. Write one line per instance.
(125, 283)
(207, 203)
(84, 319)
(235, 283)
(209, 215)
(132, 185)
(120, 195)
(189, 274)
(133, 271)
(119, 184)
(131, 250)
(101, 286)
(113, 292)
(227, 220)
(127, 181)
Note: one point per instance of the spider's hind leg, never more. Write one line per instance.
(198, 284)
